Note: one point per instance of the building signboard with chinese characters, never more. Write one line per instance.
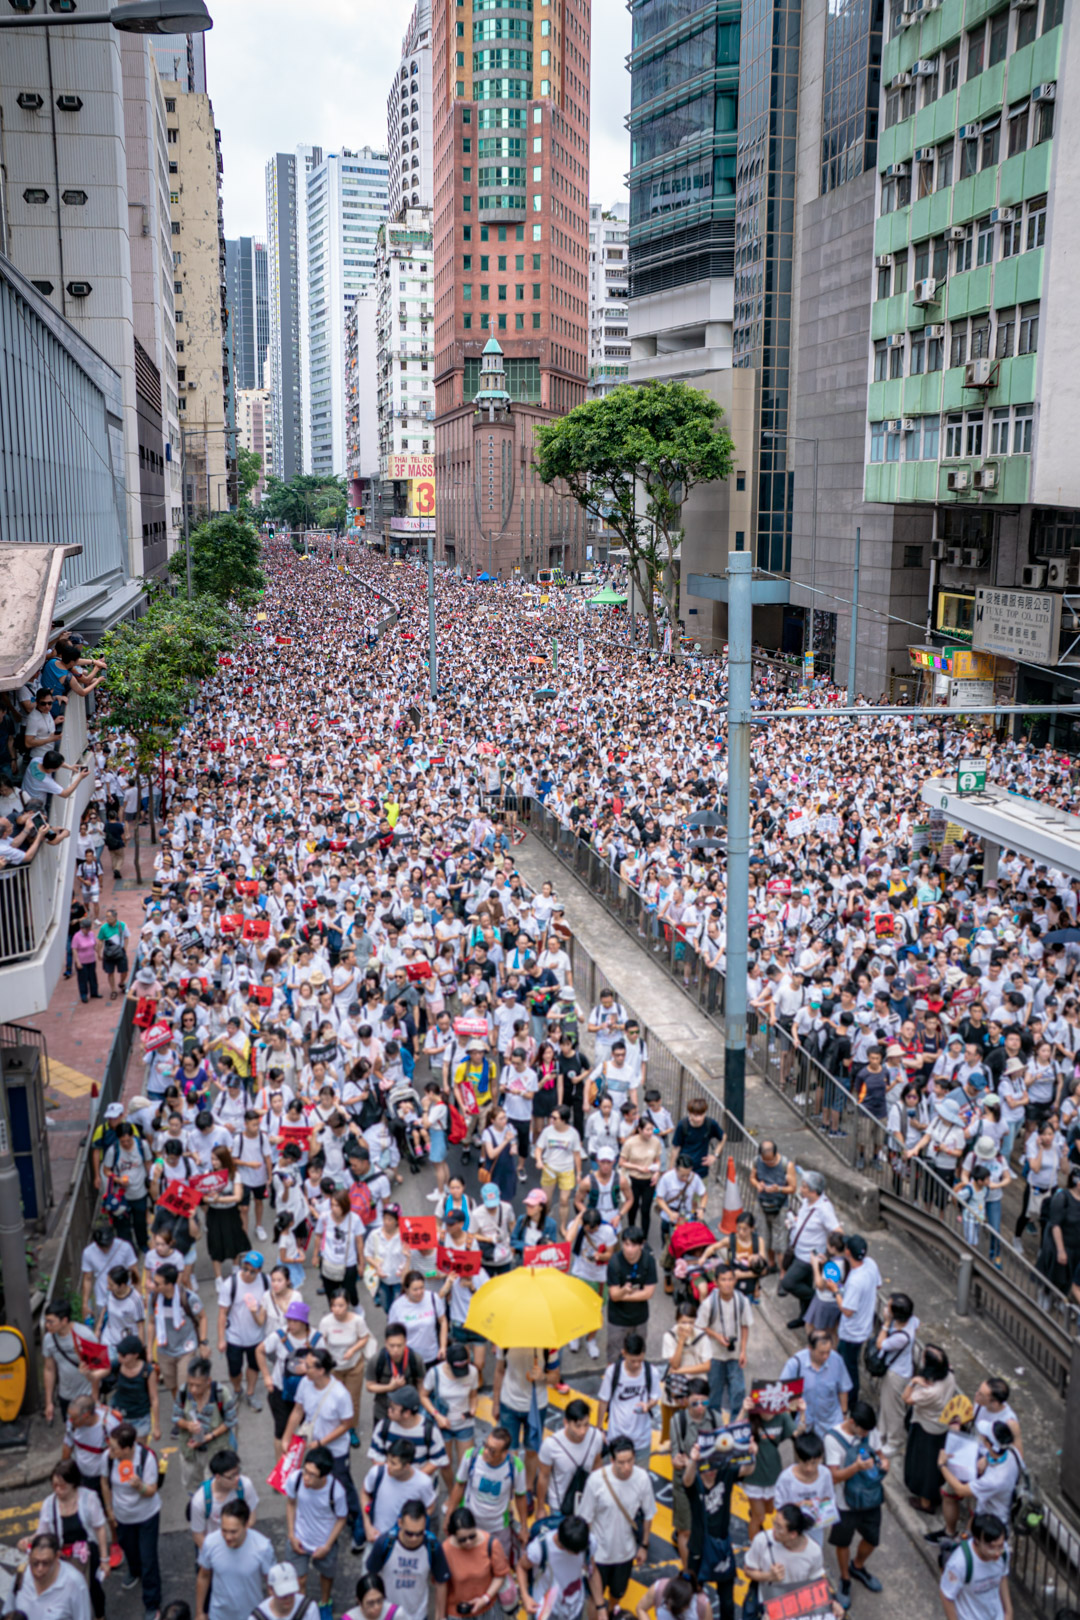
(411, 525)
(410, 466)
(1017, 624)
(971, 694)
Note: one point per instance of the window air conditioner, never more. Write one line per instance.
(924, 154)
(883, 261)
(1045, 92)
(1033, 578)
(938, 550)
(934, 331)
(959, 480)
(987, 476)
(973, 555)
(897, 171)
(923, 69)
(979, 373)
(957, 233)
(1002, 216)
(925, 292)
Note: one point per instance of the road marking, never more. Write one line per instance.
(72, 1082)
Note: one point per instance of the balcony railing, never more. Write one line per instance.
(31, 895)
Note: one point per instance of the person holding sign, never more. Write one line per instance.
(785, 1554)
(709, 1479)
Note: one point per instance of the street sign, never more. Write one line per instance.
(1017, 624)
(971, 776)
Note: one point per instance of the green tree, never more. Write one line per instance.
(224, 559)
(632, 458)
(154, 666)
(306, 500)
(248, 467)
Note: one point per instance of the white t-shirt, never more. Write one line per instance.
(129, 1505)
(201, 1520)
(392, 1494)
(840, 1456)
(324, 1409)
(489, 1492)
(980, 1597)
(420, 1319)
(452, 1392)
(818, 1498)
(557, 1148)
(860, 1297)
(99, 1262)
(564, 1457)
(237, 1296)
(316, 1511)
(632, 1391)
(608, 1506)
(338, 1337)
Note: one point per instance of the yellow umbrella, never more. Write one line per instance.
(535, 1306)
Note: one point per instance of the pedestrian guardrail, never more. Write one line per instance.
(1000, 1282)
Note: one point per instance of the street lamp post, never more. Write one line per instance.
(801, 438)
(141, 17)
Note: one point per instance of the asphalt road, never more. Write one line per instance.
(910, 1587)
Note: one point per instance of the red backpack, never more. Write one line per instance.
(458, 1129)
(689, 1236)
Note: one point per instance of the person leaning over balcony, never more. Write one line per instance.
(42, 732)
(14, 850)
(39, 782)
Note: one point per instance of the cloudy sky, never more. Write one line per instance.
(286, 72)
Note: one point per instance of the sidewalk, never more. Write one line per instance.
(78, 1037)
(976, 1347)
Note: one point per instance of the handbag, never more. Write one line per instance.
(876, 1362)
(787, 1259)
(637, 1523)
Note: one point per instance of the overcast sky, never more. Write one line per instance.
(282, 73)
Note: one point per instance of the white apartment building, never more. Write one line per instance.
(362, 422)
(255, 431)
(408, 118)
(346, 204)
(405, 341)
(609, 254)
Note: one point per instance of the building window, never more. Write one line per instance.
(1023, 428)
(466, 144)
(466, 204)
(502, 292)
(466, 177)
(990, 142)
(1018, 128)
(176, 227)
(1044, 126)
(538, 174)
(536, 321)
(976, 50)
(538, 203)
(984, 245)
(945, 166)
(485, 321)
(896, 361)
(538, 115)
(172, 136)
(962, 259)
(1006, 333)
(1026, 24)
(958, 336)
(519, 293)
(536, 289)
(1028, 329)
(935, 353)
(502, 323)
(466, 261)
(545, 58)
(980, 337)
(913, 556)
(884, 281)
(537, 232)
(170, 104)
(538, 143)
(468, 322)
(931, 437)
(483, 292)
(1036, 222)
(519, 261)
(545, 87)
(918, 354)
(536, 256)
(974, 437)
(519, 323)
(954, 436)
(466, 289)
(999, 38)
(877, 441)
(1012, 238)
(950, 69)
(999, 431)
(485, 259)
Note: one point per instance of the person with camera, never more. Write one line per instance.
(479, 1568)
(725, 1317)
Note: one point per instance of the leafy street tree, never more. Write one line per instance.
(154, 665)
(306, 500)
(248, 467)
(632, 458)
(224, 559)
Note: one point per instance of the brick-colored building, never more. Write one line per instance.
(511, 244)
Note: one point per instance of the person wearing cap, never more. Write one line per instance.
(242, 1322)
(282, 1359)
(492, 1225)
(985, 1155)
(316, 1511)
(449, 1393)
(943, 1143)
(475, 1088)
(287, 1599)
(808, 1226)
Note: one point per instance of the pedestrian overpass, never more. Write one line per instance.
(1006, 821)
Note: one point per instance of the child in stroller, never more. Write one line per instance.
(404, 1115)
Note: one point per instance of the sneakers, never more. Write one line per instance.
(575, 1344)
(354, 1439)
(864, 1578)
(254, 1402)
(129, 1581)
(433, 1197)
(260, 1233)
(593, 1348)
(843, 1597)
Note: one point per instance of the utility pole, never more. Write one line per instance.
(431, 615)
(740, 646)
(854, 622)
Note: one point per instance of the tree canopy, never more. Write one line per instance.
(224, 559)
(632, 458)
(248, 467)
(306, 501)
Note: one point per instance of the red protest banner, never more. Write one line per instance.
(256, 928)
(554, 1256)
(458, 1262)
(775, 1395)
(94, 1354)
(179, 1198)
(804, 1603)
(300, 1134)
(419, 1231)
(467, 1029)
(209, 1181)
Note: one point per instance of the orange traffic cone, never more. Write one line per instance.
(732, 1200)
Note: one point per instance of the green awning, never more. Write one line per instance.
(606, 598)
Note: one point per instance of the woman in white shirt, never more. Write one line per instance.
(345, 1334)
(384, 1258)
(341, 1246)
(423, 1316)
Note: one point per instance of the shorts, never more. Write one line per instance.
(116, 964)
(563, 1179)
(615, 1578)
(759, 1493)
(680, 1506)
(236, 1355)
(248, 1193)
(327, 1566)
(463, 1335)
(864, 1522)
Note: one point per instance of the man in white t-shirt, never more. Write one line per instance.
(853, 1451)
(242, 1322)
(610, 1502)
(388, 1486)
(317, 1510)
(566, 1460)
(975, 1581)
(326, 1407)
(629, 1394)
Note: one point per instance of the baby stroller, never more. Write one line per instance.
(406, 1120)
(686, 1246)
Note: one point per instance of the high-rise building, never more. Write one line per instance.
(362, 416)
(404, 364)
(286, 254)
(346, 204)
(609, 272)
(74, 199)
(408, 118)
(973, 285)
(202, 322)
(255, 432)
(511, 240)
(181, 58)
(246, 280)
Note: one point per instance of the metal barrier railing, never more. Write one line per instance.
(1041, 1321)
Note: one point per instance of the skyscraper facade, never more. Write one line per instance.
(246, 279)
(182, 59)
(609, 267)
(286, 257)
(408, 118)
(510, 98)
(346, 195)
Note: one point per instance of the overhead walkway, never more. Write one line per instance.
(1006, 821)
